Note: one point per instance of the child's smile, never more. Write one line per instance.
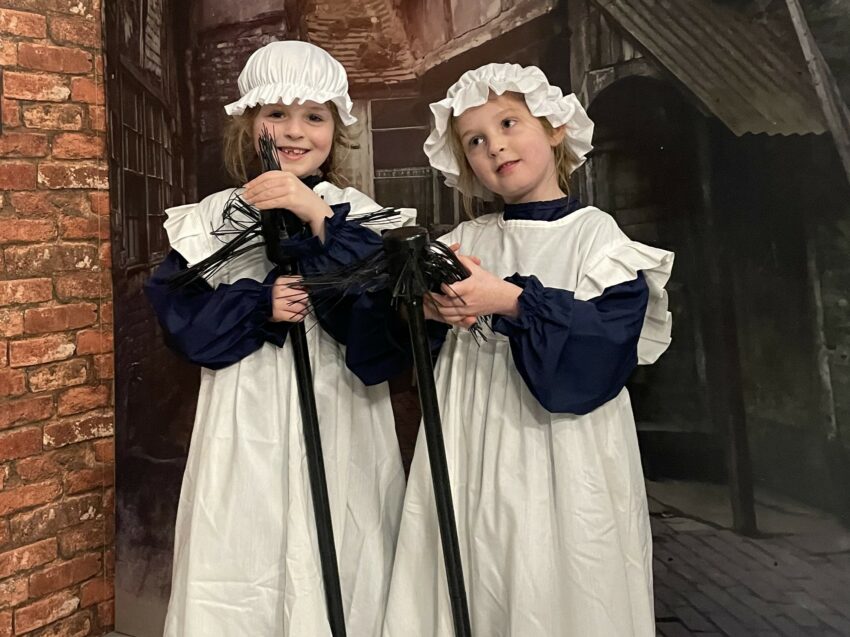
(507, 167)
(303, 134)
(291, 153)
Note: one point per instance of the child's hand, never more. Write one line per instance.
(280, 189)
(481, 294)
(432, 313)
(432, 309)
(289, 303)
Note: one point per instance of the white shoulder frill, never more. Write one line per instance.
(619, 262)
(189, 227)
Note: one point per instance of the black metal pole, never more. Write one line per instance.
(312, 436)
(404, 248)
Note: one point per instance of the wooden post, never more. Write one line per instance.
(724, 363)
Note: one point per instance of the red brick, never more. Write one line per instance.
(54, 463)
(109, 562)
(97, 115)
(81, 7)
(48, 259)
(20, 443)
(17, 176)
(13, 592)
(13, 382)
(105, 255)
(59, 59)
(104, 450)
(28, 25)
(78, 625)
(106, 614)
(79, 399)
(109, 498)
(4, 534)
(27, 231)
(87, 90)
(93, 534)
(39, 467)
(100, 203)
(106, 314)
(8, 54)
(45, 611)
(23, 145)
(65, 574)
(89, 479)
(73, 175)
(36, 87)
(96, 591)
(83, 285)
(25, 291)
(78, 146)
(58, 375)
(11, 113)
(84, 228)
(59, 318)
(82, 31)
(77, 429)
(54, 116)
(6, 624)
(94, 342)
(11, 324)
(50, 204)
(25, 410)
(57, 518)
(104, 366)
(45, 349)
(28, 496)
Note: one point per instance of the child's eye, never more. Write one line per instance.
(314, 117)
(276, 114)
(508, 123)
(475, 140)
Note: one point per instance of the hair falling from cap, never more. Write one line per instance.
(242, 162)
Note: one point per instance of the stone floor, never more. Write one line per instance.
(793, 581)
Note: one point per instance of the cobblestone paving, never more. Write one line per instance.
(712, 582)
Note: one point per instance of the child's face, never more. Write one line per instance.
(303, 134)
(509, 150)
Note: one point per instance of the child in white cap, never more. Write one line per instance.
(542, 450)
(246, 561)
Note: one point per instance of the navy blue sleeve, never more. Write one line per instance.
(214, 327)
(575, 355)
(365, 321)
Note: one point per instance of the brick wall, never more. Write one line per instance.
(56, 366)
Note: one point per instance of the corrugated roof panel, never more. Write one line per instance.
(736, 66)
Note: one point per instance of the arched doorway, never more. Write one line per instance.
(652, 169)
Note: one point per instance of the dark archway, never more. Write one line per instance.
(653, 171)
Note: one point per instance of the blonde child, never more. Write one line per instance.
(541, 443)
(245, 558)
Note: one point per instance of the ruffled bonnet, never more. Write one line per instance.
(473, 89)
(283, 72)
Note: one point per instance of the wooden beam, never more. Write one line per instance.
(834, 109)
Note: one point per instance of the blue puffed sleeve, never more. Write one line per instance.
(575, 355)
(214, 327)
(364, 321)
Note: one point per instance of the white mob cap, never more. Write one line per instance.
(283, 72)
(473, 89)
